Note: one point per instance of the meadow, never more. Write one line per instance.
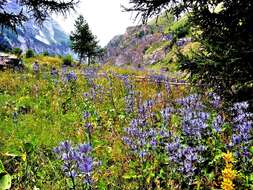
(106, 127)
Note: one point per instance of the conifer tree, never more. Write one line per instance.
(83, 42)
(224, 29)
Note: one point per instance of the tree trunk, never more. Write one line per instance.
(88, 60)
(80, 59)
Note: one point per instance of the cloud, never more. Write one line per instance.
(105, 18)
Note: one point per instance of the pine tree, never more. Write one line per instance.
(83, 42)
(225, 61)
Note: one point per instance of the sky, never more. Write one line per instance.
(105, 18)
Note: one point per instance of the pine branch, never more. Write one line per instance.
(37, 9)
(11, 20)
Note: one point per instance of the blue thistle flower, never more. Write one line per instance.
(77, 161)
(71, 76)
(36, 67)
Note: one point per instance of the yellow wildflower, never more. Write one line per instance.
(227, 184)
(228, 157)
(228, 174)
(23, 157)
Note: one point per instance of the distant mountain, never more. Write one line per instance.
(48, 37)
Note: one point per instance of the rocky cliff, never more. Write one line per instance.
(147, 44)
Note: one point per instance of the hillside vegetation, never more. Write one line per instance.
(134, 122)
(116, 128)
(155, 46)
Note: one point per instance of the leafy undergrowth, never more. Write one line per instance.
(118, 128)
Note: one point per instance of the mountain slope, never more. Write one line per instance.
(48, 37)
(150, 44)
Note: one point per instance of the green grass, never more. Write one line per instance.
(49, 112)
(37, 112)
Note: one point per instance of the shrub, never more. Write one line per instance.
(29, 53)
(181, 28)
(45, 53)
(67, 60)
(17, 51)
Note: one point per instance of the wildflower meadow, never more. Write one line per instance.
(101, 127)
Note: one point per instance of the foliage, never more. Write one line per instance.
(29, 53)
(180, 28)
(67, 60)
(45, 53)
(39, 10)
(146, 131)
(225, 32)
(5, 178)
(83, 42)
(17, 51)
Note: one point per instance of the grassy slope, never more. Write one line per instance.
(39, 99)
(43, 112)
(42, 97)
(180, 28)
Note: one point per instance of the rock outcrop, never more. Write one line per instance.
(144, 44)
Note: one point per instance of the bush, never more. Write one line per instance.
(67, 60)
(45, 53)
(17, 51)
(29, 53)
(181, 28)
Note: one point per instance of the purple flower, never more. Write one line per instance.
(71, 76)
(64, 69)
(168, 37)
(86, 115)
(84, 148)
(215, 100)
(129, 101)
(77, 161)
(242, 121)
(65, 146)
(36, 67)
(180, 43)
(217, 123)
(236, 139)
(153, 143)
(71, 174)
(86, 165)
(166, 114)
(88, 125)
(142, 154)
(173, 146)
(167, 87)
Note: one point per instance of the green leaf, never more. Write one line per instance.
(1, 167)
(122, 117)
(210, 176)
(102, 185)
(251, 149)
(251, 177)
(131, 175)
(5, 181)
(28, 147)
